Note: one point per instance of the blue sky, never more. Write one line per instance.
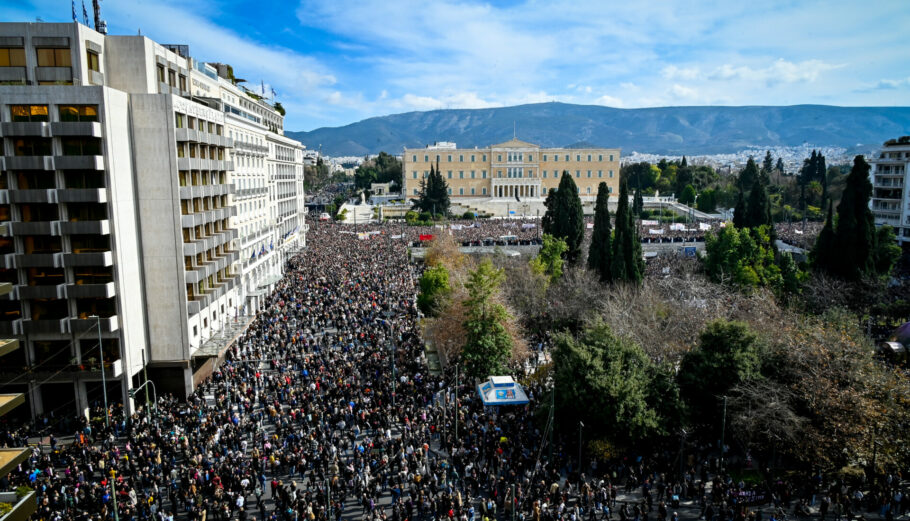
(334, 62)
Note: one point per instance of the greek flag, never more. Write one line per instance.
(84, 14)
(75, 19)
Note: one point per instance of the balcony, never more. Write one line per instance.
(102, 227)
(25, 292)
(23, 507)
(79, 162)
(191, 220)
(38, 260)
(81, 195)
(12, 75)
(55, 326)
(77, 128)
(18, 229)
(8, 345)
(26, 128)
(29, 163)
(31, 196)
(61, 75)
(95, 258)
(106, 290)
(109, 324)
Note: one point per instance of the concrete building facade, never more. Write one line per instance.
(890, 177)
(512, 170)
(117, 188)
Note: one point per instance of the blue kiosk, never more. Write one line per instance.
(501, 390)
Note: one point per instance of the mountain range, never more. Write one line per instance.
(661, 130)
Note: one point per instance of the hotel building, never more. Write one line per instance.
(890, 177)
(117, 190)
(510, 170)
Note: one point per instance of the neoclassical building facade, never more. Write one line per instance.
(511, 170)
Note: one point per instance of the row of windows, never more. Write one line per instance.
(516, 173)
(543, 191)
(19, 113)
(181, 120)
(513, 157)
(171, 77)
(70, 146)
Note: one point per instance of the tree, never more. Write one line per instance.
(886, 252)
(779, 166)
(758, 208)
(638, 203)
(767, 164)
(707, 201)
(627, 263)
(564, 218)
(742, 257)
(601, 250)
(434, 193)
(727, 355)
(548, 261)
(279, 108)
(748, 176)
(434, 287)
(687, 197)
(488, 344)
(739, 211)
(607, 381)
(823, 253)
(854, 238)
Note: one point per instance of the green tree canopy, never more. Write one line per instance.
(434, 194)
(727, 354)
(600, 252)
(627, 262)
(564, 218)
(488, 344)
(607, 381)
(687, 197)
(434, 287)
(548, 261)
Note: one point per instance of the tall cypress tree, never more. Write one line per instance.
(564, 218)
(748, 176)
(638, 203)
(823, 253)
(758, 210)
(854, 238)
(601, 250)
(739, 212)
(627, 261)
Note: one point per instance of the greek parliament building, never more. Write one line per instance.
(147, 204)
(510, 170)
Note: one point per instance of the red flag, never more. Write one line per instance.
(426, 237)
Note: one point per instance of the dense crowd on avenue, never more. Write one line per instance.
(325, 409)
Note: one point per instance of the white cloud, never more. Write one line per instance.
(781, 71)
(682, 92)
(609, 101)
(672, 72)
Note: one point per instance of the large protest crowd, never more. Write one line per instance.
(325, 409)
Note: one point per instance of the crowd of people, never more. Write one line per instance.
(325, 409)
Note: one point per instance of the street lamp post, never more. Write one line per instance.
(132, 393)
(580, 426)
(107, 412)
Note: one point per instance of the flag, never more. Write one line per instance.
(271, 245)
(425, 237)
(262, 85)
(75, 19)
(274, 94)
(84, 14)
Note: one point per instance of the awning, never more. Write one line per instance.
(501, 390)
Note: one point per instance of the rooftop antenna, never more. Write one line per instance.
(514, 130)
(100, 25)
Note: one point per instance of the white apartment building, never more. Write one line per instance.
(117, 192)
(890, 176)
(267, 169)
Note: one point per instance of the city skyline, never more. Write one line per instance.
(334, 63)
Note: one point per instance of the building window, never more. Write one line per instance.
(461, 174)
(600, 173)
(450, 158)
(499, 158)
(472, 158)
(544, 157)
(543, 190)
(589, 189)
(483, 174)
(578, 173)
(472, 191)
(81, 146)
(611, 157)
(461, 191)
(414, 158)
(589, 157)
(450, 174)
(12, 57)
(415, 191)
(178, 120)
(415, 174)
(161, 74)
(78, 112)
(57, 57)
(461, 158)
(426, 159)
(567, 157)
(483, 191)
(484, 158)
(610, 189)
(32, 147)
(472, 174)
(91, 60)
(183, 82)
(450, 191)
(28, 112)
(544, 174)
(611, 174)
(589, 174)
(600, 157)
